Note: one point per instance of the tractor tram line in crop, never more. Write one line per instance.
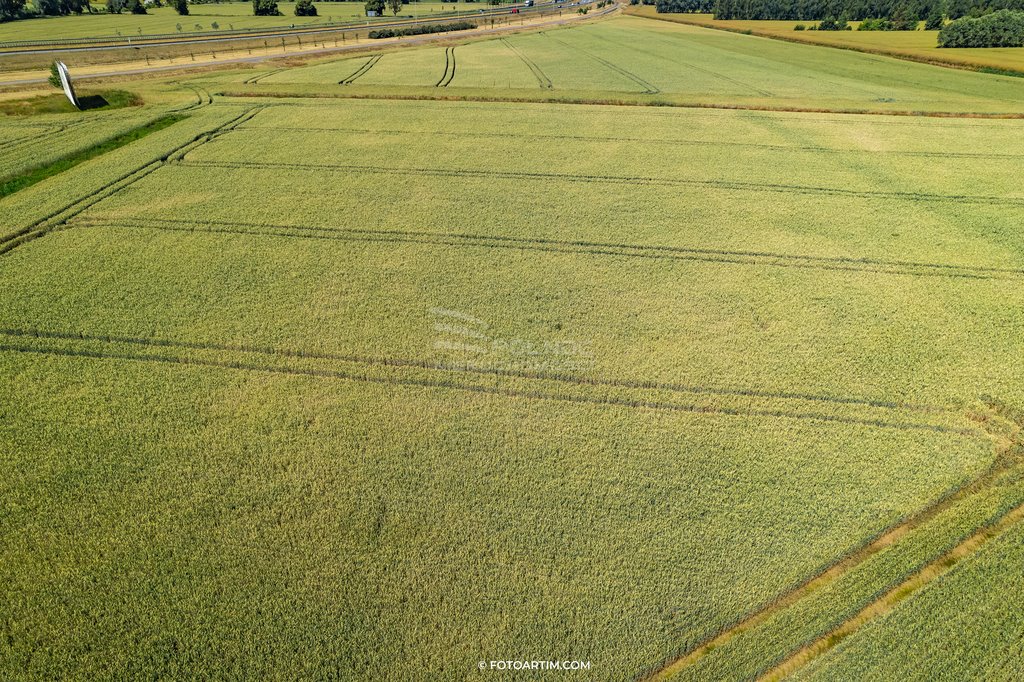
(60, 217)
(625, 180)
(622, 394)
(367, 64)
(655, 252)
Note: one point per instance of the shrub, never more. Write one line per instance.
(54, 78)
(1004, 28)
(305, 8)
(799, 27)
(833, 24)
(879, 24)
(421, 29)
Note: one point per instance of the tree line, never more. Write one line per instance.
(19, 9)
(850, 10)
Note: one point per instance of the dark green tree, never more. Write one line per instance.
(48, 7)
(54, 78)
(305, 8)
(375, 6)
(180, 6)
(11, 9)
(265, 8)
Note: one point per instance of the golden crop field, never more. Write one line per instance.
(627, 347)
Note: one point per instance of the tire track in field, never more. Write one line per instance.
(20, 345)
(577, 379)
(361, 71)
(203, 97)
(49, 131)
(1008, 460)
(738, 185)
(266, 74)
(449, 68)
(648, 88)
(677, 61)
(67, 212)
(542, 80)
(14, 147)
(582, 247)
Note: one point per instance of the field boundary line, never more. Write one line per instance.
(1002, 463)
(489, 388)
(542, 79)
(648, 101)
(888, 601)
(736, 185)
(734, 257)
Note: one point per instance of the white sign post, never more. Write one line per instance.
(65, 81)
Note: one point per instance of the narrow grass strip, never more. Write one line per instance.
(30, 177)
(891, 599)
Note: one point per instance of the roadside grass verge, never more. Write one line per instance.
(12, 184)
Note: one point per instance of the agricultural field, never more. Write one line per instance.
(227, 16)
(634, 59)
(399, 381)
(969, 622)
(40, 140)
(919, 45)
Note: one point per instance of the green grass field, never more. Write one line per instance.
(227, 16)
(370, 387)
